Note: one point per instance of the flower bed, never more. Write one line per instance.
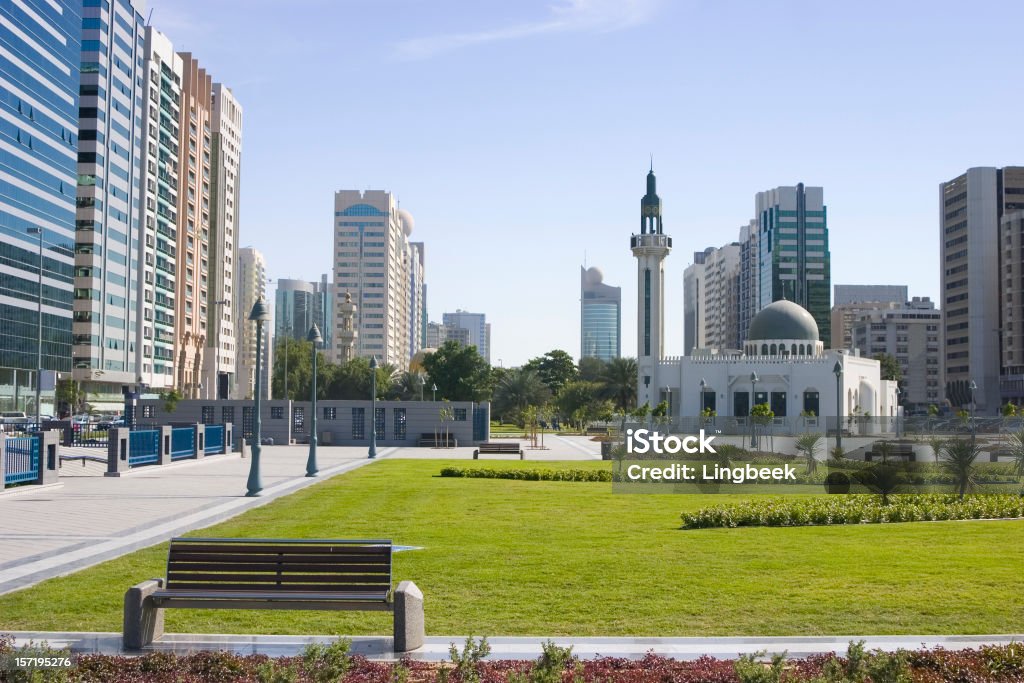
(855, 509)
(322, 663)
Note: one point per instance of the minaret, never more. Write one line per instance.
(650, 248)
(347, 334)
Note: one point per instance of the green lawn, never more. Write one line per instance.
(507, 557)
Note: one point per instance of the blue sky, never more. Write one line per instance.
(518, 133)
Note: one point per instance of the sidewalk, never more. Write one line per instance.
(88, 518)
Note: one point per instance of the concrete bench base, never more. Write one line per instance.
(144, 622)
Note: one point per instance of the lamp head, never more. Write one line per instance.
(754, 377)
(373, 362)
(973, 385)
(259, 313)
(837, 369)
(703, 383)
(314, 335)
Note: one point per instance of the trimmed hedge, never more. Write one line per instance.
(528, 475)
(855, 509)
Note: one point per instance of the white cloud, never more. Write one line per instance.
(569, 16)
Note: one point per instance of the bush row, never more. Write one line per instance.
(854, 509)
(528, 475)
(322, 663)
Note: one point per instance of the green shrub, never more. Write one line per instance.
(854, 509)
(528, 475)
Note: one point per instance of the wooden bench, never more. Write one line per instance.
(431, 440)
(498, 447)
(249, 573)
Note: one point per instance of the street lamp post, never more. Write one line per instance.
(423, 382)
(973, 386)
(837, 370)
(753, 401)
(373, 407)
(703, 403)
(39, 332)
(898, 393)
(433, 390)
(311, 470)
(258, 315)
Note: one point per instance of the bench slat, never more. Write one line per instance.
(337, 560)
(264, 566)
(268, 577)
(237, 549)
(311, 586)
(268, 595)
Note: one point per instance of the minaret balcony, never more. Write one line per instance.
(650, 240)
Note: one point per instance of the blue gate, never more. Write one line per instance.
(481, 423)
(143, 448)
(22, 460)
(183, 443)
(214, 439)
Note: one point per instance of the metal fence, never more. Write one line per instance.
(143, 448)
(22, 460)
(214, 439)
(183, 443)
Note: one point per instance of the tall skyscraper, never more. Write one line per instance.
(417, 298)
(372, 261)
(971, 207)
(109, 197)
(477, 331)
(749, 279)
(157, 274)
(297, 306)
(225, 165)
(793, 256)
(650, 248)
(251, 275)
(1011, 226)
(693, 303)
(600, 316)
(193, 290)
(39, 100)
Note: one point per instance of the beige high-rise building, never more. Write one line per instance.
(373, 262)
(973, 282)
(194, 228)
(225, 165)
(251, 285)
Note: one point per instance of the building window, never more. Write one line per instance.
(359, 423)
(460, 414)
(208, 415)
(276, 412)
(227, 414)
(379, 423)
(399, 424)
(148, 411)
(330, 413)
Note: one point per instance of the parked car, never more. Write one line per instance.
(81, 423)
(13, 417)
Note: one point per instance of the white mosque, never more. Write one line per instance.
(783, 362)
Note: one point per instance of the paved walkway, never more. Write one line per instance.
(436, 647)
(88, 518)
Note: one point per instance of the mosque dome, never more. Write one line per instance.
(783, 320)
(407, 222)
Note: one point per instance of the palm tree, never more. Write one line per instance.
(409, 386)
(619, 380)
(937, 443)
(808, 445)
(1016, 443)
(958, 456)
(517, 390)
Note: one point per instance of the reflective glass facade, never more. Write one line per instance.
(39, 81)
(600, 317)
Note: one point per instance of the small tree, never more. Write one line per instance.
(958, 460)
(761, 415)
(446, 415)
(1009, 410)
(808, 445)
(170, 399)
(936, 443)
(1016, 445)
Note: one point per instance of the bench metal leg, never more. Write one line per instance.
(143, 622)
(409, 629)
